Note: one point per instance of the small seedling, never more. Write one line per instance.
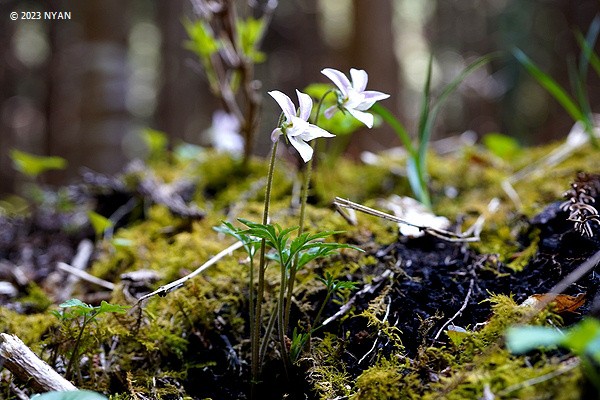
(78, 309)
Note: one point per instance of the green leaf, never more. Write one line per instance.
(414, 179)
(32, 165)
(99, 222)
(251, 243)
(523, 339)
(578, 337)
(75, 303)
(456, 335)
(423, 141)
(155, 141)
(201, 40)
(550, 85)
(589, 42)
(446, 92)
(250, 31)
(114, 308)
(503, 146)
(70, 395)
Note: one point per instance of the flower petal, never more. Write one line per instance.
(370, 97)
(338, 78)
(285, 103)
(313, 132)
(306, 104)
(297, 127)
(304, 149)
(363, 117)
(359, 79)
(275, 134)
(330, 111)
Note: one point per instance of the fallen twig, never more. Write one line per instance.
(78, 264)
(85, 276)
(439, 233)
(164, 290)
(28, 367)
(458, 312)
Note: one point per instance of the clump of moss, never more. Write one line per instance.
(387, 379)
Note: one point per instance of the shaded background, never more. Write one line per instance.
(83, 88)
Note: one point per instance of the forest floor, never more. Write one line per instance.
(427, 319)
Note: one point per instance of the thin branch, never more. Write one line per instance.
(439, 233)
(458, 312)
(164, 290)
(85, 276)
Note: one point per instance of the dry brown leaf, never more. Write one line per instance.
(562, 303)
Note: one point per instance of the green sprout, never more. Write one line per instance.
(416, 165)
(88, 314)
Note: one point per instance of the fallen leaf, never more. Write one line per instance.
(561, 304)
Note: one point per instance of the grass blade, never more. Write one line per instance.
(550, 85)
(590, 42)
(444, 96)
(591, 56)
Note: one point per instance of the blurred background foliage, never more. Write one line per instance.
(84, 88)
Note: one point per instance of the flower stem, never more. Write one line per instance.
(76, 346)
(294, 269)
(322, 307)
(261, 272)
(280, 319)
(304, 196)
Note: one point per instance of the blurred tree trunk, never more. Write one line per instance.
(104, 116)
(7, 88)
(372, 49)
(184, 103)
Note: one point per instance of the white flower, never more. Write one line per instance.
(296, 127)
(352, 96)
(224, 133)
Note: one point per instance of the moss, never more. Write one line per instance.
(387, 379)
(328, 374)
(29, 328)
(36, 298)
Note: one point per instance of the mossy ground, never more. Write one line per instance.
(200, 332)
